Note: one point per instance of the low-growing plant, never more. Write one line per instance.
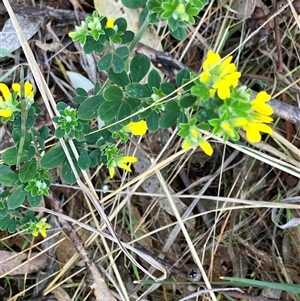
(132, 100)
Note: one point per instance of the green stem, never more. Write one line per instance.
(23, 117)
(139, 34)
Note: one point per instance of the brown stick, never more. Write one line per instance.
(46, 12)
(94, 280)
(278, 39)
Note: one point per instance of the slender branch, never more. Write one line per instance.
(94, 280)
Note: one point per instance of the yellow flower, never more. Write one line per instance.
(206, 147)
(262, 118)
(4, 112)
(258, 117)
(219, 75)
(194, 139)
(238, 122)
(136, 128)
(40, 227)
(180, 8)
(253, 130)
(110, 23)
(259, 104)
(8, 106)
(28, 89)
(5, 106)
(120, 162)
(226, 126)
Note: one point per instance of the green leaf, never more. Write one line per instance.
(44, 132)
(125, 110)
(79, 99)
(293, 288)
(60, 106)
(167, 14)
(179, 34)
(89, 45)
(167, 6)
(34, 201)
(113, 93)
(67, 173)
(53, 158)
(59, 132)
(145, 113)
(88, 109)
(168, 119)
(167, 88)
(134, 3)
(4, 223)
(172, 106)
(30, 120)
(182, 77)
(9, 179)
(81, 92)
(41, 142)
(28, 171)
(10, 156)
(84, 160)
(122, 51)
(97, 88)
(134, 104)
(183, 118)
(127, 37)
(204, 126)
(143, 15)
(120, 79)
(12, 226)
(138, 91)
(187, 100)
(154, 79)
(139, 67)
(7, 176)
(4, 213)
(93, 136)
(152, 18)
(205, 114)
(4, 52)
(117, 63)
(121, 23)
(79, 136)
(108, 110)
(201, 91)
(105, 62)
(16, 198)
(152, 121)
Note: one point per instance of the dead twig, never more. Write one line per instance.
(94, 280)
(46, 12)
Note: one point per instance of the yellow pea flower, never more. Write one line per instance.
(259, 104)
(110, 23)
(28, 89)
(8, 105)
(206, 147)
(40, 227)
(120, 161)
(194, 139)
(136, 128)
(226, 126)
(220, 75)
(253, 130)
